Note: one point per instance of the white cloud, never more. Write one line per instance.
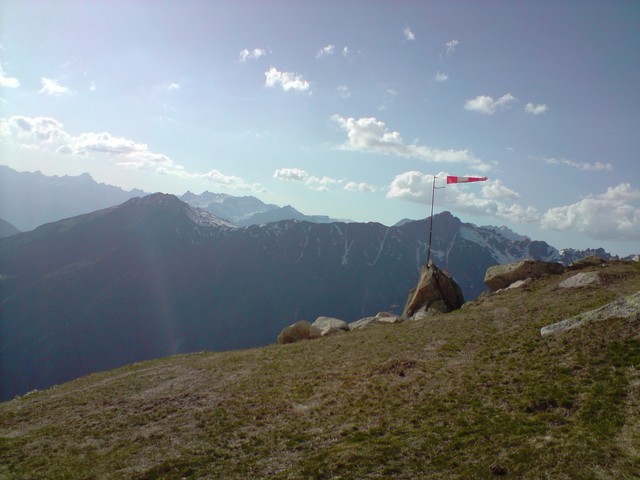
(291, 174)
(47, 134)
(346, 52)
(8, 82)
(388, 98)
(441, 77)
(286, 80)
(343, 91)
(173, 86)
(256, 53)
(372, 136)
(325, 51)
(321, 184)
(489, 106)
(451, 46)
(535, 109)
(413, 186)
(52, 87)
(408, 34)
(495, 189)
(613, 215)
(596, 166)
(92, 86)
(359, 187)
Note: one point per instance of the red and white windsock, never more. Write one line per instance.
(452, 179)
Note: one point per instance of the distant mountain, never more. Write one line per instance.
(570, 255)
(234, 209)
(7, 229)
(154, 276)
(28, 199)
(284, 213)
(248, 210)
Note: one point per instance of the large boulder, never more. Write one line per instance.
(329, 326)
(301, 330)
(501, 276)
(437, 292)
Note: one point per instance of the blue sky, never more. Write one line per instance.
(343, 108)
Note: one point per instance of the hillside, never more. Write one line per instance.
(476, 393)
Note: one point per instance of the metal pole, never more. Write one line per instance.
(433, 192)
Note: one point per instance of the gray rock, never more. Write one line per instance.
(501, 276)
(382, 317)
(335, 323)
(363, 322)
(582, 279)
(624, 307)
(437, 292)
(521, 283)
(301, 330)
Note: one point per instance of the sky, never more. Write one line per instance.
(341, 108)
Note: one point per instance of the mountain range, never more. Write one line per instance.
(31, 199)
(155, 276)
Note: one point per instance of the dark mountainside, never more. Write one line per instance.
(7, 229)
(478, 393)
(28, 199)
(154, 277)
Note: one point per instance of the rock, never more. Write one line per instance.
(501, 276)
(590, 261)
(386, 317)
(582, 279)
(382, 317)
(624, 307)
(301, 330)
(363, 322)
(437, 292)
(323, 323)
(521, 283)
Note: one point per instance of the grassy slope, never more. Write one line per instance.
(473, 394)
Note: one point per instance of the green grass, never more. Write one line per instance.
(472, 394)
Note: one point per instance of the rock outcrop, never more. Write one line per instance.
(582, 279)
(437, 292)
(301, 330)
(624, 307)
(501, 276)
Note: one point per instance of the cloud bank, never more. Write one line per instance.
(613, 215)
(321, 184)
(48, 134)
(370, 135)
